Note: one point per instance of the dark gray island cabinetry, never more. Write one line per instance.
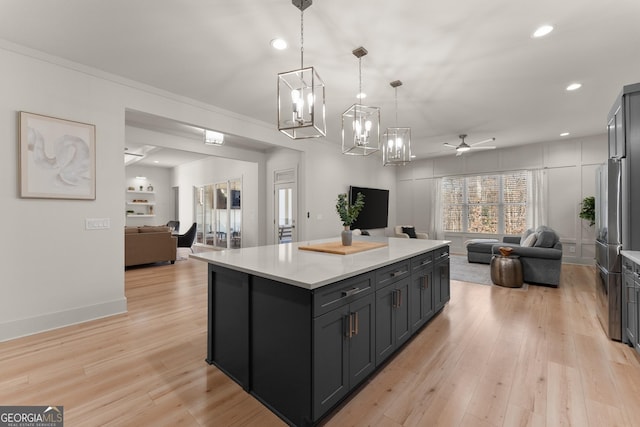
(300, 331)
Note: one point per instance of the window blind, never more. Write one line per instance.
(491, 204)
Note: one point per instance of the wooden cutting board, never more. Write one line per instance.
(337, 248)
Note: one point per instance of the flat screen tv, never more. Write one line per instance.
(376, 208)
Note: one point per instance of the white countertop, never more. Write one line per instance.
(632, 255)
(307, 269)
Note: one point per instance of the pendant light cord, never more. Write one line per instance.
(360, 80)
(396, 89)
(301, 39)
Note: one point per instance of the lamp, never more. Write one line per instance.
(360, 124)
(213, 138)
(301, 109)
(397, 140)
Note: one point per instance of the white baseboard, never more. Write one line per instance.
(33, 325)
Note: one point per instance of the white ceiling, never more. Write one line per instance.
(467, 66)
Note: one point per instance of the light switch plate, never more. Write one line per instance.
(97, 223)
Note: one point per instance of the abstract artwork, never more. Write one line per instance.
(57, 158)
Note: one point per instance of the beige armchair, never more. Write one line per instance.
(399, 232)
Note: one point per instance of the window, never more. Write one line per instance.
(492, 204)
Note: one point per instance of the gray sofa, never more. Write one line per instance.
(541, 263)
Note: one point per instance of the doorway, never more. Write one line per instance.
(286, 208)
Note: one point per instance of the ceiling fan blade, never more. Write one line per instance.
(482, 142)
(446, 144)
(488, 147)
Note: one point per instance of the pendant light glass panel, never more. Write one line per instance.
(396, 146)
(361, 130)
(301, 106)
(360, 123)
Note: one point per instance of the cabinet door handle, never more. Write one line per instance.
(394, 299)
(357, 323)
(425, 262)
(348, 326)
(397, 298)
(425, 282)
(350, 292)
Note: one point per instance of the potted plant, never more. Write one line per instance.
(588, 209)
(348, 214)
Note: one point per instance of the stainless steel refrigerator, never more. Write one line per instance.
(617, 207)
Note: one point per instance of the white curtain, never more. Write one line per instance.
(436, 209)
(537, 199)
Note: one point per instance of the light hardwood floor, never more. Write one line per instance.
(492, 357)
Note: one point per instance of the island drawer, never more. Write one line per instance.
(337, 294)
(392, 273)
(441, 254)
(421, 262)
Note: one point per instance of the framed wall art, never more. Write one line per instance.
(57, 158)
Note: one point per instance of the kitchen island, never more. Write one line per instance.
(300, 330)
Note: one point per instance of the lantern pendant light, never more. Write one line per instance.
(301, 104)
(360, 123)
(397, 141)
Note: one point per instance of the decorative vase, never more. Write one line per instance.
(505, 250)
(347, 236)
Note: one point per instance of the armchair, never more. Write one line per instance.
(408, 231)
(186, 240)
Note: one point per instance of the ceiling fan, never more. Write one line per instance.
(463, 147)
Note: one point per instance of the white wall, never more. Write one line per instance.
(328, 173)
(569, 166)
(55, 272)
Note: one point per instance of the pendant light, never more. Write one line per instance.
(397, 140)
(301, 107)
(360, 124)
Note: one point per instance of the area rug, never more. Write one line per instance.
(466, 271)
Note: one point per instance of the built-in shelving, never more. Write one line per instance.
(140, 204)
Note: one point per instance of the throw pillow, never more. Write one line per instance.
(546, 238)
(411, 231)
(526, 234)
(529, 241)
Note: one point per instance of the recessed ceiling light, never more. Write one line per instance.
(542, 31)
(156, 161)
(565, 134)
(278, 44)
(361, 95)
(574, 86)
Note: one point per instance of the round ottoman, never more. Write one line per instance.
(506, 271)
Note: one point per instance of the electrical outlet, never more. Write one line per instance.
(97, 223)
(572, 249)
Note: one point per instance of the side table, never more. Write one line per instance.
(506, 271)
